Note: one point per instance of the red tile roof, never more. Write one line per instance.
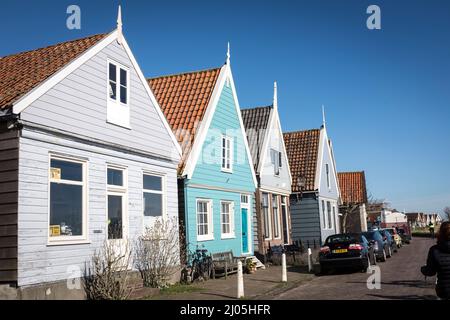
(353, 187)
(302, 149)
(22, 72)
(183, 99)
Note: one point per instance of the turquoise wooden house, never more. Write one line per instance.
(216, 177)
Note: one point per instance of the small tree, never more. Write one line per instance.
(348, 211)
(107, 275)
(157, 253)
(447, 213)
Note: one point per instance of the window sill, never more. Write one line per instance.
(228, 236)
(226, 170)
(123, 126)
(53, 243)
(200, 239)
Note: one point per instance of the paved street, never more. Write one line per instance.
(400, 279)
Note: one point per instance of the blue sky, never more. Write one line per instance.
(386, 92)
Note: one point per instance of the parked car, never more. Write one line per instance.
(392, 247)
(349, 250)
(405, 235)
(380, 246)
(396, 236)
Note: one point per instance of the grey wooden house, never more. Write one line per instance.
(265, 138)
(86, 156)
(315, 195)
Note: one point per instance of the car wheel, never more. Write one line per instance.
(389, 253)
(374, 259)
(367, 264)
(383, 259)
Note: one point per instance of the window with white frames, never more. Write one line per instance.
(227, 219)
(334, 217)
(284, 217)
(153, 193)
(204, 220)
(324, 216)
(227, 154)
(328, 175)
(67, 216)
(276, 217)
(117, 191)
(330, 220)
(118, 111)
(266, 216)
(276, 161)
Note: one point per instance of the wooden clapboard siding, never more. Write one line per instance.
(9, 162)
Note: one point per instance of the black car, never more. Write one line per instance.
(380, 246)
(348, 250)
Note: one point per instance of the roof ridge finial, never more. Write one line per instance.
(324, 123)
(228, 53)
(275, 96)
(119, 25)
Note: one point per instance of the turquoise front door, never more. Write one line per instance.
(244, 230)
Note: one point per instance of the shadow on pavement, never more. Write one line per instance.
(405, 297)
(406, 283)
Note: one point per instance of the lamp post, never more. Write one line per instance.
(301, 183)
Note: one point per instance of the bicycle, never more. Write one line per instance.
(199, 266)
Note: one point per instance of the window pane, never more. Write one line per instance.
(115, 177)
(123, 94)
(123, 78)
(112, 90)
(152, 204)
(152, 183)
(112, 72)
(66, 210)
(114, 217)
(67, 170)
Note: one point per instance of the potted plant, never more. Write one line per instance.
(250, 266)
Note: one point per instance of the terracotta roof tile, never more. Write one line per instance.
(22, 72)
(302, 149)
(353, 187)
(183, 99)
(256, 121)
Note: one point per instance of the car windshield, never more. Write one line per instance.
(370, 235)
(390, 231)
(342, 238)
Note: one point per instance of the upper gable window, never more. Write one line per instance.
(276, 161)
(227, 154)
(328, 175)
(118, 94)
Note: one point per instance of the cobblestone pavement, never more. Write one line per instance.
(400, 280)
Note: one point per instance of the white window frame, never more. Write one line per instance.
(122, 191)
(286, 216)
(329, 216)
(231, 141)
(269, 218)
(65, 240)
(162, 192)
(277, 223)
(118, 113)
(210, 234)
(324, 214)
(327, 170)
(230, 234)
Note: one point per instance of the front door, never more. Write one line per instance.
(244, 230)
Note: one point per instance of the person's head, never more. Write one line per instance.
(444, 232)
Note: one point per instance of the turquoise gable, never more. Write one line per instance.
(208, 168)
(209, 182)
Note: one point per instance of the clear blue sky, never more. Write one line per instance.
(386, 92)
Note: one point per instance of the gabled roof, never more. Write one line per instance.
(353, 187)
(22, 72)
(302, 149)
(184, 99)
(256, 122)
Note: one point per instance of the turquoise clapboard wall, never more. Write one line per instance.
(207, 173)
